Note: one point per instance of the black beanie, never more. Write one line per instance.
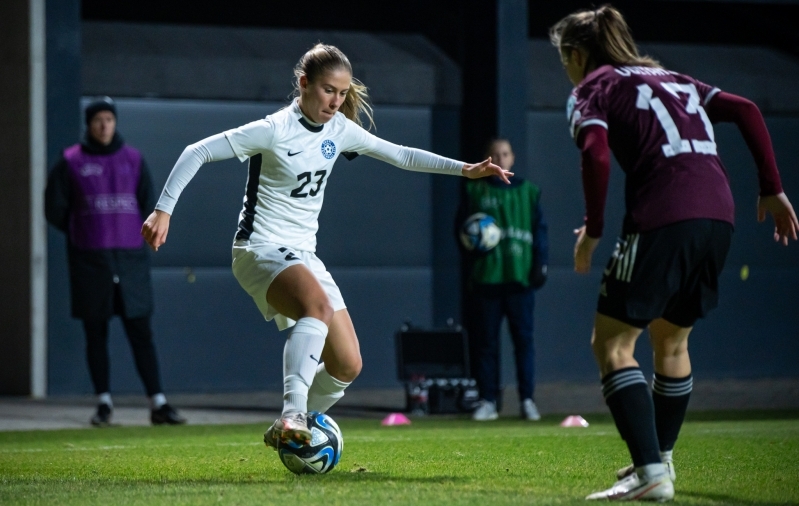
(102, 104)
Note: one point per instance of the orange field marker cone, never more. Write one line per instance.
(574, 421)
(395, 419)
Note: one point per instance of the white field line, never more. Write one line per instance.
(119, 447)
(386, 437)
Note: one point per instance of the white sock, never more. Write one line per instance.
(301, 357)
(105, 398)
(651, 471)
(666, 456)
(157, 400)
(325, 390)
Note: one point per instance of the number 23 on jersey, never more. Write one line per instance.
(305, 179)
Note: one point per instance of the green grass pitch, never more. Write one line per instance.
(722, 458)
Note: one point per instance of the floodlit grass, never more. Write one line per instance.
(750, 458)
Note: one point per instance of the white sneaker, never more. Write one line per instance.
(627, 471)
(486, 410)
(634, 488)
(530, 410)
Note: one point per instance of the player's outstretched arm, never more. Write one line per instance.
(212, 149)
(484, 169)
(419, 160)
(155, 229)
(786, 226)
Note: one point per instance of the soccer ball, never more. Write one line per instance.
(319, 456)
(480, 232)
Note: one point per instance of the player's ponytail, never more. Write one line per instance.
(321, 59)
(357, 103)
(603, 34)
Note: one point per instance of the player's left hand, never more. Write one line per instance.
(485, 168)
(785, 223)
(583, 251)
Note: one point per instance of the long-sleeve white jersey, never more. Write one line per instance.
(291, 160)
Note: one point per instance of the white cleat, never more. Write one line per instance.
(633, 488)
(270, 436)
(486, 411)
(530, 411)
(627, 471)
(291, 427)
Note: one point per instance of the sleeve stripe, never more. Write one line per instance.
(588, 123)
(711, 94)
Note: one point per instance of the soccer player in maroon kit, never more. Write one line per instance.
(677, 229)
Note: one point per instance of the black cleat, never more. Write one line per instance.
(103, 416)
(166, 414)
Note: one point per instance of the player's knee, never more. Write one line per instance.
(348, 369)
(612, 355)
(670, 347)
(321, 309)
(602, 349)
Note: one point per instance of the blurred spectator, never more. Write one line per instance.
(501, 283)
(98, 194)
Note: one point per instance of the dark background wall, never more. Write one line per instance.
(386, 234)
(211, 336)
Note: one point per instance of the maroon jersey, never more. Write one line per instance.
(662, 138)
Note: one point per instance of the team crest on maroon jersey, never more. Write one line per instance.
(570, 106)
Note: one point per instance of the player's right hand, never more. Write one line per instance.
(485, 168)
(785, 223)
(584, 248)
(155, 229)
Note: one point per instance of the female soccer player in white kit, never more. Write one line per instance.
(291, 154)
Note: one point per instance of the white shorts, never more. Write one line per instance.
(257, 265)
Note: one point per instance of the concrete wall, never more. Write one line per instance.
(761, 74)
(212, 338)
(180, 61)
(209, 333)
(195, 321)
(386, 236)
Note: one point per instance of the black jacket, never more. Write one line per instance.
(93, 274)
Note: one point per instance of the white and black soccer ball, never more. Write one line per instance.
(319, 456)
(480, 232)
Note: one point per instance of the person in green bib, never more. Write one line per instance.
(501, 282)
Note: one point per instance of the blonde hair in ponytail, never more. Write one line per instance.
(603, 34)
(323, 58)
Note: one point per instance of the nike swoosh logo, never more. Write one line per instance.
(314, 359)
(292, 154)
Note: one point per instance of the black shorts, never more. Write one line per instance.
(671, 272)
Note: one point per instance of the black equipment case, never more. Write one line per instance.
(434, 365)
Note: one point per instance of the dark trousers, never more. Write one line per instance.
(487, 309)
(140, 337)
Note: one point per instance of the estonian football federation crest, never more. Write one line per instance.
(328, 149)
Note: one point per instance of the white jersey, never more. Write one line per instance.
(291, 160)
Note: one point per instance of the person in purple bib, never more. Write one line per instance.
(98, 194)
